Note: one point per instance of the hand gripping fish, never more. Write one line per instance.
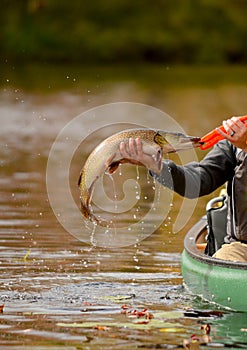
(106, 157)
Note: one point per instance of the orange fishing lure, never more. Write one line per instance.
(213, 136)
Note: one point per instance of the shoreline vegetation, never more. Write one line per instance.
(124, 31)
(40, 76)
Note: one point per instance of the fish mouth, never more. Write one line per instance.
(177, 141)
(188, 142)
(195, 141)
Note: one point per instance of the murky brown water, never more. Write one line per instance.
(60, 293)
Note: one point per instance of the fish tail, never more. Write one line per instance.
(88, 214)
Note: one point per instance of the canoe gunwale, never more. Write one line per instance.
(190, 247)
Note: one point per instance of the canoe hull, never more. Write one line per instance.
(218, 281)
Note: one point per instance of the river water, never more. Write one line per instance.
(60, 292)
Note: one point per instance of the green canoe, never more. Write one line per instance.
(218, 281)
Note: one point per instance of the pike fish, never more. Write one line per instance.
(106, 157)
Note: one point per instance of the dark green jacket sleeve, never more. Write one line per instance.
(200, 178)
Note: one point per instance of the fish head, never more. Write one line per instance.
(176, 141)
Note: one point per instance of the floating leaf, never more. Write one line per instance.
(130, 325)
(172, 330)
(27, 255)
(102, 328)
(169, 315)
(119, 298)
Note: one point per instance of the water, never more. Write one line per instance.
(60, 293)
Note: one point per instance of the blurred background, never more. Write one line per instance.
(186, 57)
(163, 31)
(58, 59)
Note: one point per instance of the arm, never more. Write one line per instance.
(200, 178)
(193, 179)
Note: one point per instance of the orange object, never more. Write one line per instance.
(213, 136)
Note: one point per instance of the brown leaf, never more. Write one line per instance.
(102, 328)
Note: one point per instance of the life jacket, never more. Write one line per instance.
(229, 213)
(237, 209)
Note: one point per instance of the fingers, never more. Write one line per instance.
(234, 128)
(235, 131)
(139, 148)
(123, 150)
(133, 149)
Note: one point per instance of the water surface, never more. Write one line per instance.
(60, 293)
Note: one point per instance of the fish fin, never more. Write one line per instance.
(79, 180)
(130, 161)
(85, 210)
(113, 167)
(108, 162)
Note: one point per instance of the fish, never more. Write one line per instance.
(106, 157)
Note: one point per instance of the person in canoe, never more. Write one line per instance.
(225, 163)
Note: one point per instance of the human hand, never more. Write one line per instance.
(235, 132)
(150, 158)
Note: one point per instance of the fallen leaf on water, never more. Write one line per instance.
(102, 328)
(172, 330)
(142, 322)
(125, 325)
(169, 315)
(87, 303)
(119, 298)
(138, 314)
(27, 255)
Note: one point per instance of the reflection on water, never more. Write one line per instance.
(58, 292)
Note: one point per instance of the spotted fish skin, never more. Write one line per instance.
(106, 157)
